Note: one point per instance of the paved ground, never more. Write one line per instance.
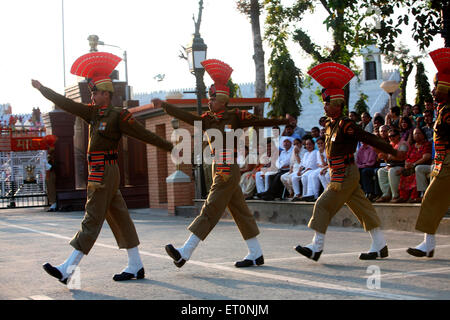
(30, 237)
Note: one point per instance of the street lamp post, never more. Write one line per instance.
(196, 53)
(390, 87)
(94, 42)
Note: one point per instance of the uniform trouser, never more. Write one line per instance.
(330, 202)
(225, 194)
(106, 203)
(50, 181)
(422, 176)
(436, 200)
(389, 181)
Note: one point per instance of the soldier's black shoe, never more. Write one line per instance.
(124, 276)
(249, 263)
(307, 252)
(175, 255)
(383, 253)
(308, 199)
(419, 253)
(54, 272)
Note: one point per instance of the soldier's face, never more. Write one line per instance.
(332, 110)
(215, 105)
(100, 98)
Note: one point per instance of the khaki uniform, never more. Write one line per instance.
(436, 199)
(104, 200)
(341, 138)
(225, 190)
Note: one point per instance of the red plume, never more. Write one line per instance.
(95, 64)
(331, 75)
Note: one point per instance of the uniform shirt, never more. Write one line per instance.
(223, 121)
(342, 136)
(106, 124)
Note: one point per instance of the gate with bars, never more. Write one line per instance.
(22, 173)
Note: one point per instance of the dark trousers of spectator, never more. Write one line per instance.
(369, 181)
(275, 186)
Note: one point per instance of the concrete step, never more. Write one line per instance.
(401, 217)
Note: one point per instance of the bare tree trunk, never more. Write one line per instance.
(258, 56)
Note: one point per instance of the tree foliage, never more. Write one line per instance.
(284, 77)
(422, 85)
(361, 105)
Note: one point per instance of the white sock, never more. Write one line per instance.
(428, 244)
(254, 250)
(68, 266)
(378, 241)
(53, 206)
(189, 246)
(134, 261)
(317, 243)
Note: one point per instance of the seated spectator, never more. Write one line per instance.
(322, 133)
(392, 119)
(366, 160)
(307, 165)
(429, 105)
(297, 155)
(417, 116)
(407, 111)
(321, 175)
(428, 127)
(247, 181)
(298, 131)
(418, 153)
(265, 170)
(322, 121)
(378, 121)
(366, 122)
(388, 177)
(315, 133)
(406, 130)
(275, 186)
(353, 115)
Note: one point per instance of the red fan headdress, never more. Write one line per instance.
(97, 67)
(220, 73)
(333, 77)
(441, 59)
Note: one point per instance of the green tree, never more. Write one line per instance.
(422, 86)
(252, 9)
(354, 24)
(361, 105)
(284, 77)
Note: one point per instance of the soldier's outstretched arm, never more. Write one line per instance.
(176, 112)
(250, 120)
(131, 127)
(373, 140)
(78, 109)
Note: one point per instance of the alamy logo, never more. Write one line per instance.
(374, 280)
(74, 282)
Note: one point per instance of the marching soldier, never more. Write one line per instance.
(436, 200)
(225, 190)
(341, 138)
(107, 124)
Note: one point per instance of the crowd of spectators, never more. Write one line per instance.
(301, 171)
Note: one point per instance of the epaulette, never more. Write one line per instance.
(346, 124)
(125, 115)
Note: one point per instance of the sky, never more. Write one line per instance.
(151, 32)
